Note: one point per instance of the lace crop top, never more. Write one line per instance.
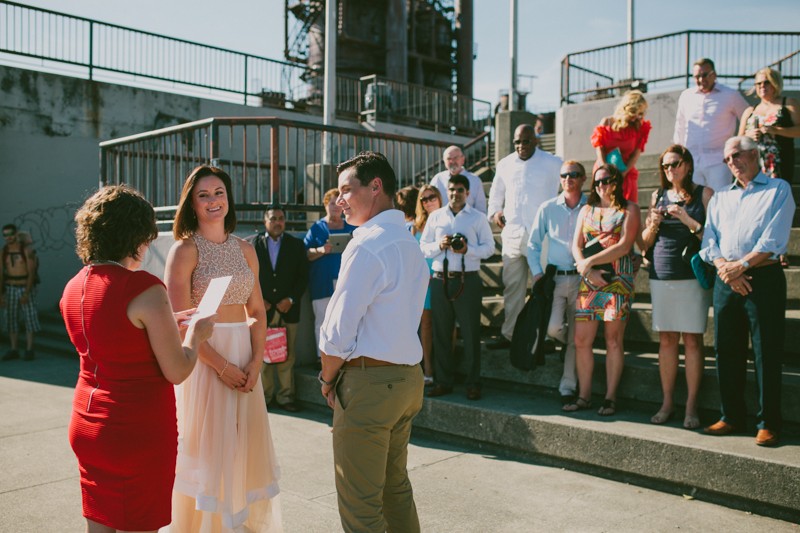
(225, 259)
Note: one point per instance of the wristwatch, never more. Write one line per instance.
(323, 382)
(745, 264)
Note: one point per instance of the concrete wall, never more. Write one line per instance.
(575, 122)
(50, 127)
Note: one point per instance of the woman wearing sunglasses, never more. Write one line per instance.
(773, 123)
(607, 228)
(428, 201)
(672, 233)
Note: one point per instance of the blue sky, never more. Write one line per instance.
(548, 30)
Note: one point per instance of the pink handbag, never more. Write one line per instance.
(275, 348)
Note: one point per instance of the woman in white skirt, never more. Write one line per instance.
(680, 305)
(226, 474)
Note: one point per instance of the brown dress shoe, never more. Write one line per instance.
(289, 406)
(766, 437)
(439, 390)
(473, 393)
(720, 428)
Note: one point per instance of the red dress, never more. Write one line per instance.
(627, 140)
(123, 428)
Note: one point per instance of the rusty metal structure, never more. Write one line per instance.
(422, 42)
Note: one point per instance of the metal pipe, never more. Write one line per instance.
(512, 92)
(630, 41)
(329, 91)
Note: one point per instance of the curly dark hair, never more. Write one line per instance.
(185, 218)
(113, 224)
(617, 200)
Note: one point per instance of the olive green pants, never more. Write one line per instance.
(371, 429)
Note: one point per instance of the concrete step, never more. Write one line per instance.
(625, 446)
(641, 384)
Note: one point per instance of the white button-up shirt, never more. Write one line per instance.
(378, 300)
(476, 198)
(470, 223)
(706, 120)
(518, 189)
(757, 218)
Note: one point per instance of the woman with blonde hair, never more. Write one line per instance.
(429, 200)
(227, 473)
(773, 123)
(620, 140)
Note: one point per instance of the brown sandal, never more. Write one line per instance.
(578, 405)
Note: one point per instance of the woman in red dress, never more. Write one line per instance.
(626, 130)
(123, 428)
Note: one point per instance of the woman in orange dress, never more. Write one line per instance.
(628, 131)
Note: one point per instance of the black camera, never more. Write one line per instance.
(457, 242)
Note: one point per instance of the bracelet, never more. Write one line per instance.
(327, 383)
(224, 368)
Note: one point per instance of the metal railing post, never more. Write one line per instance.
(245, 79)
(688, 58)
(91, 49)
(213, 144)
(274, 162)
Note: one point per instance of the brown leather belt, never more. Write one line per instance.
(367, 361)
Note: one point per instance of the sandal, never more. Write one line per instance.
(662, 417)
(609, 408)
(578, 405)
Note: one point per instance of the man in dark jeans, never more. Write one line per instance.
(747, 229)
(283, 274)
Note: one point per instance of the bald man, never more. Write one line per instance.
(454, 161)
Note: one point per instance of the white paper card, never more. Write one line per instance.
(212, 298)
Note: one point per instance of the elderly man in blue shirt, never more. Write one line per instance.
(556, 220)
(747, 228)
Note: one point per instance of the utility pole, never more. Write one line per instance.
(329, 90)
(512, 93)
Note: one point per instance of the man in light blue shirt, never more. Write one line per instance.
(747, 228)
(456, 285)
(556, 220)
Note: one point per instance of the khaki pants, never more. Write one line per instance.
(371, 429)
(515, 286)
(283, 371)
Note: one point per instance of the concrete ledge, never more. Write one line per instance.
(732, 467)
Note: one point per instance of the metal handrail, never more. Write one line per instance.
(664, 62)
(269, 159)
(110, 52)
(778, 63)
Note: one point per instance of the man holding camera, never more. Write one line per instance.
(456, 237)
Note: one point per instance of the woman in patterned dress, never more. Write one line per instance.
(607, 228)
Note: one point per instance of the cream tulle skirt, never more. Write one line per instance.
(227, 474)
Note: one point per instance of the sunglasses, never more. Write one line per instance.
(604, 181)
(523, 142)
(427, 199)
(8, 234)
(703, 75)
(572, 175)
(675, 164)
(733, 157)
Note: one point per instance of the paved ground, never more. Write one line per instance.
(457, 488)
